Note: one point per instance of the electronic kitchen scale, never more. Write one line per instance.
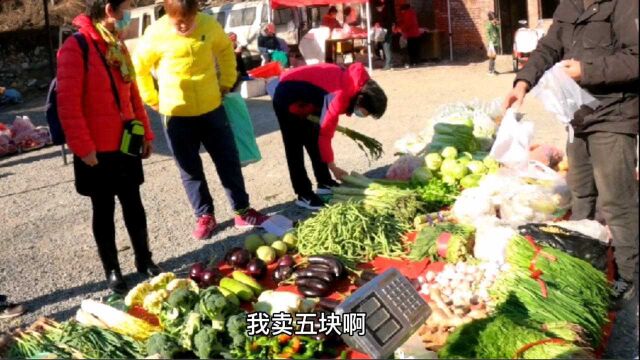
(394, 311)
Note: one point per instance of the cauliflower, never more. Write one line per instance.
(187, 284)
(137, 294)
(161, 281)
(153, 301)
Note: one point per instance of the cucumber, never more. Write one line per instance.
(242, 291)
(229, 295)
(249, 281)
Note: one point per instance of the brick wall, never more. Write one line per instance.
(468, 18)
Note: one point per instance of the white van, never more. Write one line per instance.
(141, 18)
(246, 19)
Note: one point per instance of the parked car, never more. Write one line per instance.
(246, 20)
(141, 18)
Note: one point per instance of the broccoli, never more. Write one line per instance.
(163, 345)
(215, 306)
(206, 343)
(236, 329)
(183, 299)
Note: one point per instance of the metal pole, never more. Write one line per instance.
(369, 54)
(269, 12)
(450, 31)
(52, 70)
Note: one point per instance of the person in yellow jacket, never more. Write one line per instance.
(183, 48)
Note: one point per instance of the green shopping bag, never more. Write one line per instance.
(281, 57)
(242, 128)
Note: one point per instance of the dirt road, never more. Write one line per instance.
(48, 259)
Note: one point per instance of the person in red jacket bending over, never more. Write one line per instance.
(326, 91)
(97, 103)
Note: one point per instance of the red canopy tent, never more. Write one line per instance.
(276, 4)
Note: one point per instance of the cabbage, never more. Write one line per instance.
(454, 169)
(449, 152)
(421, 176)
(466, 155)
(433, 161)
(470, 181)
(490, 163)
(449, 180)
(477, 167)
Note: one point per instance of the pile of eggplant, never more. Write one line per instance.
(318, 277)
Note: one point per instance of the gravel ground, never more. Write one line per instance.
(48, 257)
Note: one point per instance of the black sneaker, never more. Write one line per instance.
(325, 189)
(311, 202)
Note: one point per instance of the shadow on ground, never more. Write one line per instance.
(210, 251)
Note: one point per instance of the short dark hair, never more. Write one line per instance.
(181, 7)
(491, 15)
(333, 10)
(373, 99)
(95, 8)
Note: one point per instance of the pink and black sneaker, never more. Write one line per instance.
(205, 227)
(249, 218)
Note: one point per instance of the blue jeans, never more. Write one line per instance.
(386, 48)
(184, 135)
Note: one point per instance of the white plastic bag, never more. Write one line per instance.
(491, 239)
(411, 144)
(513, 139)
(562, 96)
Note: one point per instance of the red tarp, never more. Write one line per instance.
(299, 3)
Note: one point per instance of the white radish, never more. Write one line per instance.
(421, 279)
(424, 289)
(430, 276)
(505, 267)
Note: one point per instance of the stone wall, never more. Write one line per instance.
(24, 61)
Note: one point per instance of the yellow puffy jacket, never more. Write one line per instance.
(185, 67)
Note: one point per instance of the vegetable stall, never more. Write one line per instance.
(488, 249)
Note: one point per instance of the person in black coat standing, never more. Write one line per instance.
(384, 16)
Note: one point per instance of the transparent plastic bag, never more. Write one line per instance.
(511, 147)
(562, 96)
(411, 144)
(491, 240)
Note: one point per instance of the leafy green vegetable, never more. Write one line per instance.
(191, 327)
(437, 195)
(164, 345)
(237, 329)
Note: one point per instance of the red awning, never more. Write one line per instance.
(299, 3)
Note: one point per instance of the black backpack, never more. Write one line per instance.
(55, 128)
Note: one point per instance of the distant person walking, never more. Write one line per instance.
(410, 30)
(97, 103)
(493, 41)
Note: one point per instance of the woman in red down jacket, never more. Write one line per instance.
(410, 29)
(93, 121)
(326, 91)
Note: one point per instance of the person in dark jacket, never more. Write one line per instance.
(95, 101)
(325, 91)
(596, 42)
(240, 65)
(384, 16)
(268, 42)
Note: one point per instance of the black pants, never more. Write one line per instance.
(602, 170)
(135, 220)
(413, 50)
(184, 136)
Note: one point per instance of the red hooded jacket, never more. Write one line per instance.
(86, 105)
(339, 86)
(408, 24)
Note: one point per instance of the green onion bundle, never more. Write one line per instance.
(380, 197)
(370, 146)
(576, 292)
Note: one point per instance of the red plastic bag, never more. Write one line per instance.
(266, 71)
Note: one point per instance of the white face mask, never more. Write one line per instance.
(357, 112)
